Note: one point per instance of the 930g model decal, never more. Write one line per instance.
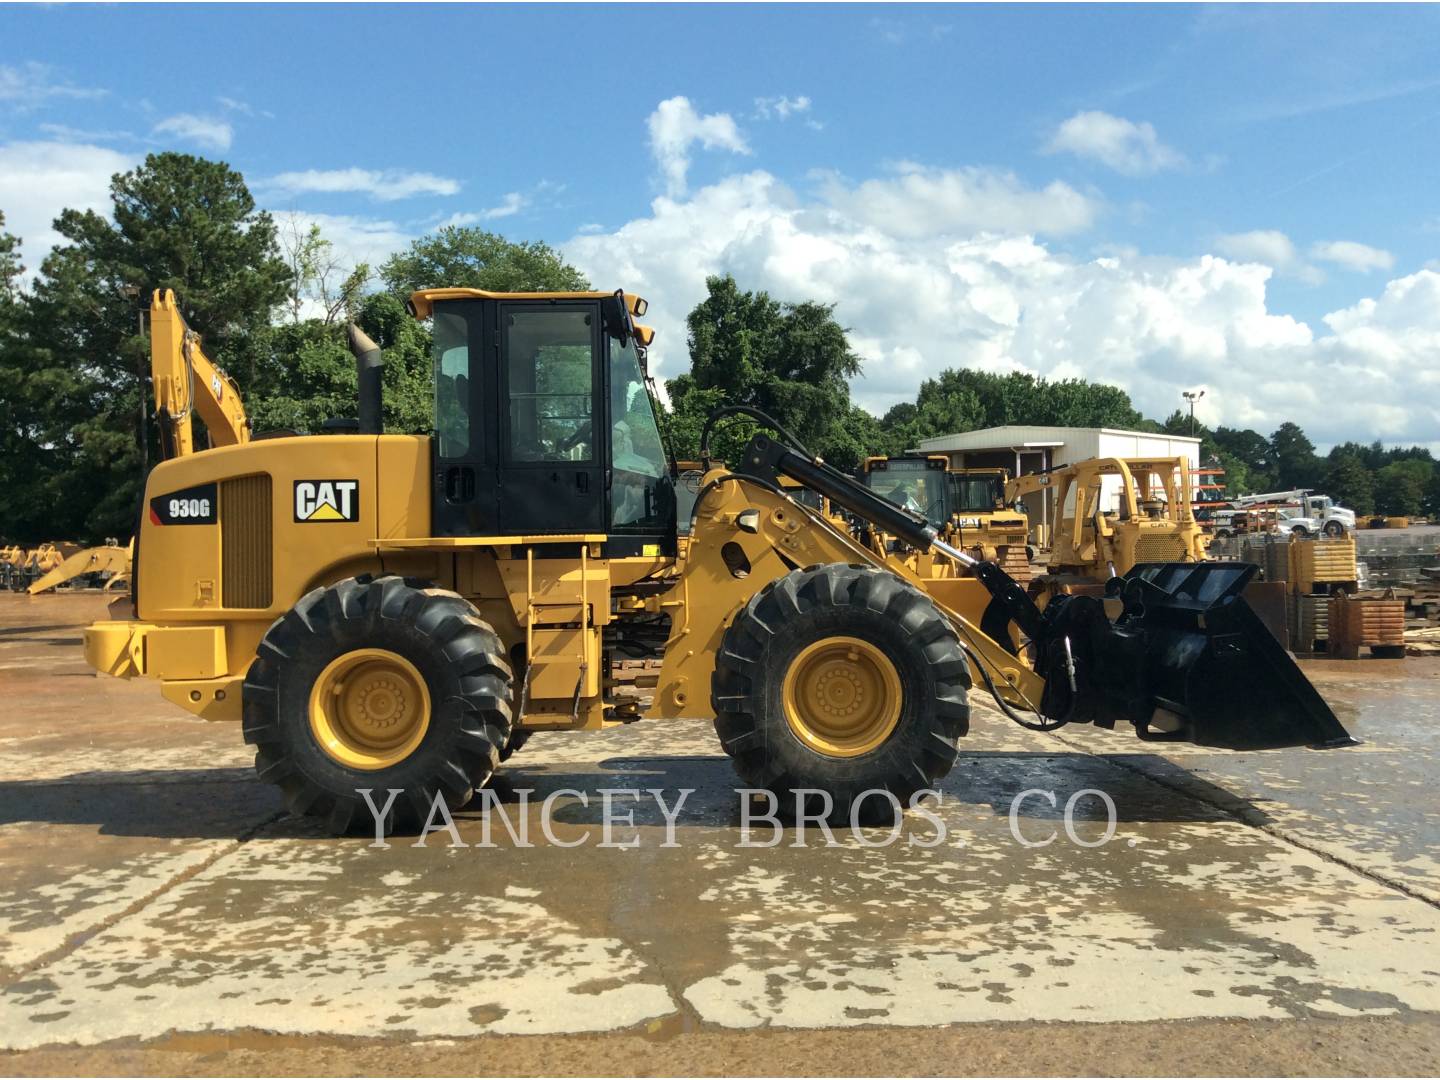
(327, 500)
(192, 506)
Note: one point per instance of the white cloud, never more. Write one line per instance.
(203, 131)
(386, 185)
(31, 85)
(39, 179)
(917, 201)
(509, 206)
(1272, 248)
(65, 133)
(782, 108)
(995, 297)
(675, 127)
(1353, 256)
(1123, 145)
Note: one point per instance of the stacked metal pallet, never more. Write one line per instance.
(1318, 570)
(1374, 623)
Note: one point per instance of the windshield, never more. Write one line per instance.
(643, 495)
(913, 485)
(976, 494)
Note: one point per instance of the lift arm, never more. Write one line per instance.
(187, 382)
(1172, 649)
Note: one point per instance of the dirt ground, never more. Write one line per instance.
(1268, 913)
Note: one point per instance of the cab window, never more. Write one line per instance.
(549, 378)
(451, 348)
(637, 456)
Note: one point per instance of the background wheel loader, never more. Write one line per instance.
(967, 506)
(399, 612)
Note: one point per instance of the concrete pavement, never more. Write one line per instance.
(152, 891)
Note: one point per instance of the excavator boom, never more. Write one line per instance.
(188, 383)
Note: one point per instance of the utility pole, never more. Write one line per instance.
(1192, 396)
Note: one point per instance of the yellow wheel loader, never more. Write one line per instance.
(398, 612)
(967, 506)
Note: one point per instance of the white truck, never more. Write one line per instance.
(1297, 513)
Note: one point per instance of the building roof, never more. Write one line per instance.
(1021, 435)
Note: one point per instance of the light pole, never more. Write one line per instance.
(1192, 396)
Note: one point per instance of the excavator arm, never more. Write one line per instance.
(188, 383)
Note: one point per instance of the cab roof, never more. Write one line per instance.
(422, 301)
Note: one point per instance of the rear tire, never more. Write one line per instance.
(514, 744)
(377, 683)
(1300, 532)
(841, 678)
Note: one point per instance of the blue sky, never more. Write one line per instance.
(1160, 197)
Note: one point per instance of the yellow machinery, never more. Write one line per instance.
(21, 567)
(967, 506)
(393, 614)
(917, 484)
(1104, 531)
(12, 561)
(106, 567)
(187, 383)
(984, 524)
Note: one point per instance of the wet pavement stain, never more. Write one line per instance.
(147, 906)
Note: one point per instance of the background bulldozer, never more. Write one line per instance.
(397, 612)
(1104, 530)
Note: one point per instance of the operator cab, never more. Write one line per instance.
(974, 492)
(916, 484)
(543, 420)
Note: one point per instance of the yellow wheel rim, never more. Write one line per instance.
(842, 697)
(369, 709)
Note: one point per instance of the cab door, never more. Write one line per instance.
(553, 429)
(464, 450)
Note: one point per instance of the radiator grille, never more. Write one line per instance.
(245, 548)
(1159, 549)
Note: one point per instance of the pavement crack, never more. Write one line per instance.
(78, 939)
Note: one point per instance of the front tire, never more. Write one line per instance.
(1334, 529)
(844, 679)
(377, 684)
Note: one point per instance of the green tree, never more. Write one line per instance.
(320, 282)
(470, 258)
(790, 360)
(684, 420)
(1351, 484)
(320, 383)
(10, 268)
(1296, 464)
(1248, 460)
(949, 404)
(177, 222)
(964, 399)
(1400, 489)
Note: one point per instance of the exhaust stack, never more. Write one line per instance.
(369, 365)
